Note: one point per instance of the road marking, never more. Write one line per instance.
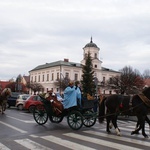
(31, 144)
(131, 129)
(10, 126)
(3, 147)
(100, 141)
(134, 141)
(25, 121)
(66, 143)
(34, 136)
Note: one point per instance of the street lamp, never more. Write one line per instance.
(96, 83)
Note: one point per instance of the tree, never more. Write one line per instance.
(130, 81)
(62, 83)
(88, 84)
(35, 87)
(146, 74)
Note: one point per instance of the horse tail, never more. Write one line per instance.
(101, 110)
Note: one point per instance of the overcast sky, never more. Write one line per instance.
(35, 32)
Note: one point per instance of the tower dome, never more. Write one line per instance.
(91, 44)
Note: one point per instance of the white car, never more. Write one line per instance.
(20, 100)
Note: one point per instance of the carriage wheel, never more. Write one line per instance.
(56, 119)
(40, 115)
(88, 118)
(75, 120)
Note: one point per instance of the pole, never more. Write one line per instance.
(60, 80)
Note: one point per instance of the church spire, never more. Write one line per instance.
(91, 40)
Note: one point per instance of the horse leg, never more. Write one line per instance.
(143, 128)
(2, 108)
(114, 121)
(108, 120)
(137, 126)
(147, 120)
(138, 123)
(141, 122)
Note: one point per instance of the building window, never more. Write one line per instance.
(47, 77)
(32, 79)
(43, 78)
(57, 75)
(39, 78)
(95, 55)
(52, 76)
(85, 56)
(35, 79)
(110, 80)
(103, 79)
(76, 77)
(95, 66)
(67, 75)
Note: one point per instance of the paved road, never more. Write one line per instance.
(60, 136)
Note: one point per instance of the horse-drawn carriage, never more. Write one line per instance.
(76, 116)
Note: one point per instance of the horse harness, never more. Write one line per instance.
(144, 99)
(141, 96)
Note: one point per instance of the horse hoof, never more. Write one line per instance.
(108, 132)
(119, 134)
(137, 132)
(146, 136)
(133, 132)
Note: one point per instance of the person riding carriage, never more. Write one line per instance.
(72, 96)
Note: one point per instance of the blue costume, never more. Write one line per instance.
(78, 92)
(70, 97)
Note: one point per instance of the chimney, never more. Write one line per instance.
(66, 60)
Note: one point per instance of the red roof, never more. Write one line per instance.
(27, 78)
(147, 81)
(3, 84)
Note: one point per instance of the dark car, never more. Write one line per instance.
(11, 100)
(31, 102)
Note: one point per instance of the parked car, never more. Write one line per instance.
(31, 102)
(11, 100)
(20, 101)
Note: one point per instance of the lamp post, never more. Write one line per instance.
(60, 79)
(96, 83)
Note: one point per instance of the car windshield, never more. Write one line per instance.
(14, 94)
(24, 97)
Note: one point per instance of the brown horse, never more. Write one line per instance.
(137, 105)
(3, 98)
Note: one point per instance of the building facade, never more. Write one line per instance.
(49, 73)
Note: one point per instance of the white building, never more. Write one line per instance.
(47, 74)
